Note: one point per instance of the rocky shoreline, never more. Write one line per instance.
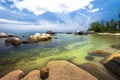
(64, 70)
(55, 70)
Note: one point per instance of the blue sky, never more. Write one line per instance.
(56, 15)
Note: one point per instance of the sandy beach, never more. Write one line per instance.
(117, 34)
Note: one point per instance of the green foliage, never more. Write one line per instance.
(97, 27)
(109, 26)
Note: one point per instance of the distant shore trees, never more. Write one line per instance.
(111, 26)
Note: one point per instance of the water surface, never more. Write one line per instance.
(73, 48)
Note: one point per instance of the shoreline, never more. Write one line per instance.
(116, 34)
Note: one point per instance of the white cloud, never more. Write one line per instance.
(11, 21)
(42, 25)
(61, 6)
(2, 8)
(90, 6)
(95, 10)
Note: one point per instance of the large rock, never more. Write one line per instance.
(63, 70)
(116, 46)
(33, 75)
(79, 32)
(39, 37)
(13, 75)
(99, 53)
(4, 35)
(13, 41)
(98, 71)
(110, 57)
(112, 63)
(114, 66)
(44, 73)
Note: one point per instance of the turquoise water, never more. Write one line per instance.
(73, 48)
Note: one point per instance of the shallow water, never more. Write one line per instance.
(73, 48)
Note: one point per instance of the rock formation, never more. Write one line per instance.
(13, 75)
(39, 37)
(116, 46)
(63, 70)
(4, 35)
(44, 73)
(98, 71)
(13, 41)
(33, 75)
(112, 63)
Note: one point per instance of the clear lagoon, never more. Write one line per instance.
(70, 47)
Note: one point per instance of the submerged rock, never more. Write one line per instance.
(116, 46)
(63, 70)
(114, 66)
(26, 42)
(110, 57)
(50, 32)
(112, 63)
(99, 53)
(69, 33)
(13, 41)
(99, 72)
(33, 75)
(89, 58)
(13, 75)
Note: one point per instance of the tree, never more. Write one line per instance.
(97, 27)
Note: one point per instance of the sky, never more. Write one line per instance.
(55, 15)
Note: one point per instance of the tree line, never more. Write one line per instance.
(111, 26)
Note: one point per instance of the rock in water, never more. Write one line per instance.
(98, 71)
(90, 58)
(13, 75)
(116, 46)
(33, 75)
(13, 41)
(4, 35)
(39, 37)
(99, 53)
(112, 63)
(63, 70)
(50, 32)
(79, 32)
(110, 57)
(114, 66)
